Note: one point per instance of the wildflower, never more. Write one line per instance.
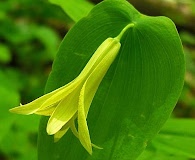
(72, 101)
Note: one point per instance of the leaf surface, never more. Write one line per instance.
(137, 94)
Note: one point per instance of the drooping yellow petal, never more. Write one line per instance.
(93, 81)
(47, 111)
(84, 136)
(34, 106)
(61, 94)
(46, 101)
(70, 124)
(90, 87)
(65, 110)
(61, 132)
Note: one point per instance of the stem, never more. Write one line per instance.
(123, 31)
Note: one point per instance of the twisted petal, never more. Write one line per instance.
(61, 94)
(34, 106)
(70, 124)
(45, 104)
(64, 111)
(61, 132)
(84, 136)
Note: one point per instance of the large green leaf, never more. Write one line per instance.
(139, 91)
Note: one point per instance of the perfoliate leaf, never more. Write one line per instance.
(137, 94)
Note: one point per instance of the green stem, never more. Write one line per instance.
(124, 30)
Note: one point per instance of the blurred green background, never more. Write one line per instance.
(30, 34)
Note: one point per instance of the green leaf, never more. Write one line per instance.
(51, 44)
(76, 9)
(139, 91)
(175, 140)
(5, 55)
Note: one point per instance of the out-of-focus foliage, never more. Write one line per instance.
(30, 33)
(182, 12)
(187, 100)
(174, 142)
(76, 13)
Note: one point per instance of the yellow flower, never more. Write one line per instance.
(72, 101)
